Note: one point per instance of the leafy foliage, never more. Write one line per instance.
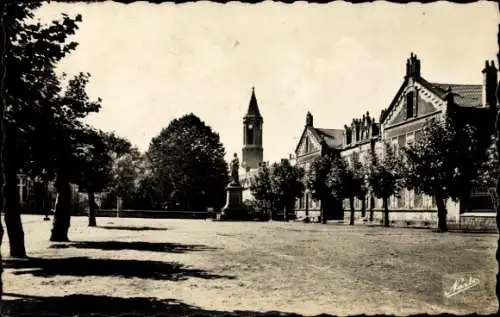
(488, 170)
(385, 174)
(443, 160)
(261, 189)
(341, 179)
(187, 159)
(317, 177)
(277, 187)
(287, 184)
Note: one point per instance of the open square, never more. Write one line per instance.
(199, 266)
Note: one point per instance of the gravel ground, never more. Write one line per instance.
(197, 266)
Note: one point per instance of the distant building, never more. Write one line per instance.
(400, 124)
(30, 203)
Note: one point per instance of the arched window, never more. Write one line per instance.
(250, 134)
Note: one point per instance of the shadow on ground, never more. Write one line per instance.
(130, 228)
(135, 245)
(83, 266)
(86, 305)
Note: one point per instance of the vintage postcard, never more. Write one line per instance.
(249, 159)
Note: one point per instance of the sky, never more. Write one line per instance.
(151, 63)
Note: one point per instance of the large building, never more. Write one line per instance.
(400, 124)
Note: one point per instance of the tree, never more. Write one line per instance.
(442, 163)
(384, 177)
(316, 182)
(32, 50)
(69, 144)
(286, 185)
(187, 159)
(360, 180)
(126, 171)
(342, 183)
(488, 169)
(95, 169)
(260, 187)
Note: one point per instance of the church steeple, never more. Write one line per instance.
(253, 107)
(252, 135)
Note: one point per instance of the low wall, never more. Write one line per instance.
(153, 214)
(406, 218)
(484, 222)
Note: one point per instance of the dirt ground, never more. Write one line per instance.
(186, 267)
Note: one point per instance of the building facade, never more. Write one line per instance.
(314, 143)
(400, 124)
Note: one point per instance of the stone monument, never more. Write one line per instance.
(234, 203)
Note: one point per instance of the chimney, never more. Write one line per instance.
(490, 82)
(413, 66)
(309, 119)
(347, 135)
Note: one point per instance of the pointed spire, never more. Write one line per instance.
(253, 107)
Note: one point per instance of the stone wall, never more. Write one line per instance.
(478, 222)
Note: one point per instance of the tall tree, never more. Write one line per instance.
(360, 175)
(32, 50)
(188, 159)
(316, 182)
(70, 141)
(441, 163)
(260, 186)
(95, 168)
(384, 177)
(343, 184)
(287, 185)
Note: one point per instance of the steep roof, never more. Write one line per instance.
(332, 137)
(253, 107)
(464, 95)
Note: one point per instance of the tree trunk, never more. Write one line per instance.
(92, 205)
(363, 206)
(386, 211)
(351, 205)
(62, 215)
(441, 210)
(12, 216)
(372, 205)
(324, 204)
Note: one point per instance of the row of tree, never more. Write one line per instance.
(43, 133)
(445, 163)
(43, 136)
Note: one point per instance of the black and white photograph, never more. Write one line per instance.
(249, 159)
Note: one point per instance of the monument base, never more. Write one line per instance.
(234, 209)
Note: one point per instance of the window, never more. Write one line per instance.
(409, 105)
(250, 134)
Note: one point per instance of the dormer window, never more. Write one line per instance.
(410, 105)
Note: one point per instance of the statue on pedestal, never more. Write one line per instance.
(234, 203)
(235, 165)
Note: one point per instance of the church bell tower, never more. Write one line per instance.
(252, 135)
